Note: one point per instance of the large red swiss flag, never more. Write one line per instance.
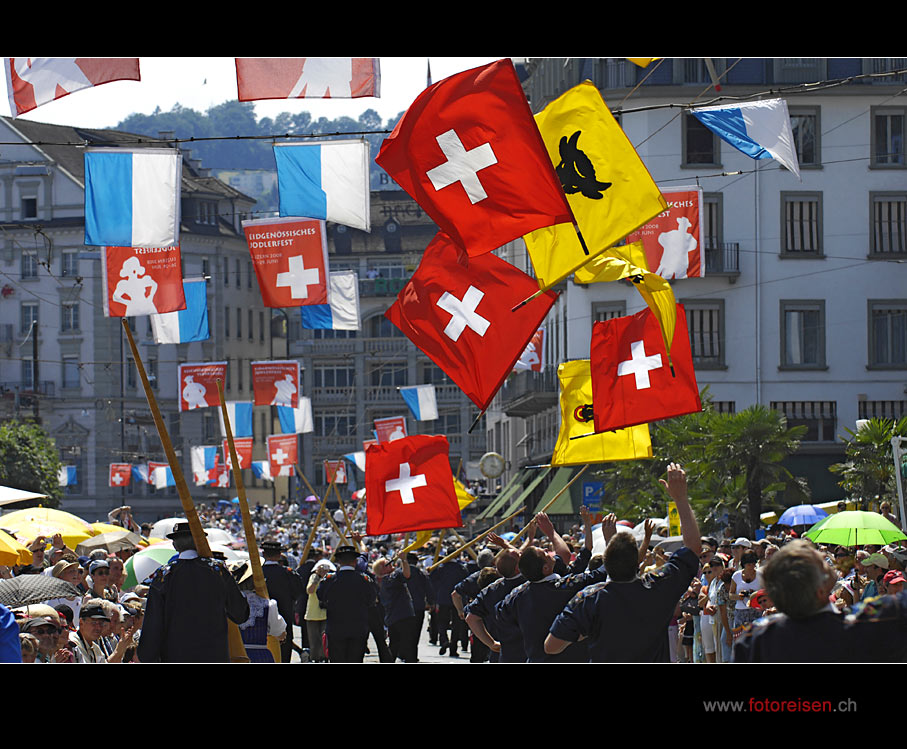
(458, 311)
(469, 152)
(409, 486)
(632, 381)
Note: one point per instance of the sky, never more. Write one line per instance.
(201, 82)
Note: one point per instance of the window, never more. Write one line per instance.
(238, 322)
(881, 409)
(334, 423)
(28, 315)
(705, 321)
(71, 378)
(238, 269)
(380, 327)
(888, 333)
(28, 374)
(228, 375)
(602, 311)
(70, 264)
(803, 334)
(152, 372)
(29, 207)
(333, 376)
(130, 373)
(434, 375)
(700, 145)
(70, 318)
(206, 267)
(448, 423)
(801, 224)
(887, 139)
(819, 417)
(318, 333)
(226, 272)
(388, 374)
(805, 127)
(261, 327)
(249, 333)
(29, 265)
(226, 322)
(239, 366)
(249, 275)
(889, 223)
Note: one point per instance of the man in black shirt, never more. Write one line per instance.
(285, 587)
(348, 595)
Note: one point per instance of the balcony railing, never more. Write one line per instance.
(722, 258)
(381, 286)
(528, 393)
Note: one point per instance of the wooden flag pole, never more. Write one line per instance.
(465, 547)
(553, 499)
(234, 638)
(258, 575)
(198, 534)
(475, 540)
(308, 545)
(438, 550)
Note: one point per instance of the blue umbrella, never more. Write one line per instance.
(802, 515)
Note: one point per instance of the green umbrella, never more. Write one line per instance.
(855, 528)
(140, 566)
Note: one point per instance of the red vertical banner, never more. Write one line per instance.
(282, 454)
(142, 281)
(290, 256)
(390, 429)
(198, 384)
(243, 447)
(673, 239)
(276, 383)
(335, 470)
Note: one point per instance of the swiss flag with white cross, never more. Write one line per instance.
(469, 152)
(290, 259)
(120, 474)
(282, 454)
(632, 379)
(409, 486)
(459, 311)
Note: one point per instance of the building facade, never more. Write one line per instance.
(803, 306)
(76, 376)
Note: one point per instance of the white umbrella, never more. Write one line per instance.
(219, 536)
(8, 495)
(162, 527)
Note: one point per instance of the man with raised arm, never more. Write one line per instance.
(626, 618)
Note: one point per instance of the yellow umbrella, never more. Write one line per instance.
(32, 522)
(12, 552)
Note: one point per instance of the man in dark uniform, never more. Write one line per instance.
(481, 617)
(348, 595)
(444, 579)
(463, 593)
(421, 592)
(189, 601)
(399, 616)
(285, 587)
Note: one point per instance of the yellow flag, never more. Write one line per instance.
(643, 61)
(609, 189)
(464, 498)
(629, 261)
(421, 539)
(576, 394)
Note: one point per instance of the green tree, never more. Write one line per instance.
(868, 473)
(29, 460)
(742, 462)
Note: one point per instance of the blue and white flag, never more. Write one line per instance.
(296, 420)
(343, 311)
(421, 401)
(190, 324)
(162, 477)
(240, 415)
(204, 464)
(262, 469)
(357, 458)
(325, 179)
(132, 196)
(760, 129)
(140, 473)
(67, 476)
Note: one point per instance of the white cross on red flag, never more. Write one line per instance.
(120, 474)
(458, 311)
(469, 152)
(282, 454)
(409, 486)
(243, 447)
(290, 257)
(632, 381)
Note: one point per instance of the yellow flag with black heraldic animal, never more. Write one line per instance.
(576, 419)
(609, 189)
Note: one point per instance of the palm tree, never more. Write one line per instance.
(743, 458)
(868, 472)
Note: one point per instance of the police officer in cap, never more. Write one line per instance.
(189, 601)
(347, 594)
(285, 587)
